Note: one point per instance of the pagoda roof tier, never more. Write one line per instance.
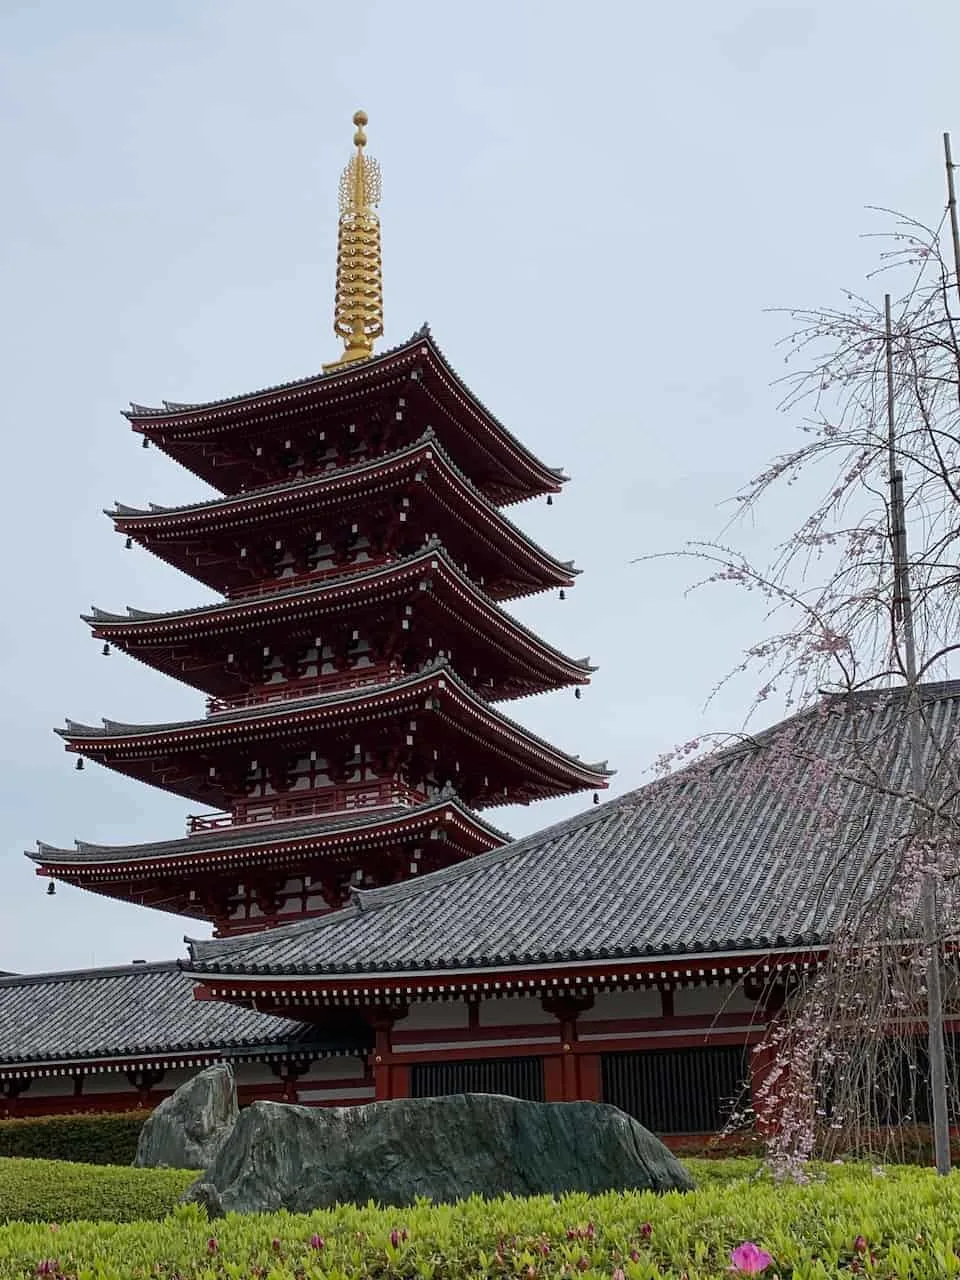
(193, 645)
(204, 539)
(516, 766)
(219, 440)
(162, 874)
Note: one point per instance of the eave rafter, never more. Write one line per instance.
(219, 427)
(192, 645)
(285, 991)
(201, 539)
(177, 757)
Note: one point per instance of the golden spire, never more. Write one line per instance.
(358, 310)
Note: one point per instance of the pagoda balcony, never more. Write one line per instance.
(308, 687)
(314, 578)
(350, 798)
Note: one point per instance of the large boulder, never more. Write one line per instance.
(187, 1130)
(281, 1156)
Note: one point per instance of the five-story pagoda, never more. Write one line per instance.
(353, 666)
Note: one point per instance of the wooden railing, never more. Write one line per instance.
(351, 678)
(270, 586)
(348, 798)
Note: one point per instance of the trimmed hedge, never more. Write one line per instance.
(57, 1191)
(897, 1224)
(93, 1138)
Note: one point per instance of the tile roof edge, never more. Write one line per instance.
(281, 834)
(71, 975)
(364, 900)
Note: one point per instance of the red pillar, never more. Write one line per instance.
(390, 1079)
(590, 1077)
(566, 1073)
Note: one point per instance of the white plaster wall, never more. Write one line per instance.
(611, 1005)
(435, 1015)
(54, 1087)
(332, 1069)
(254, 1073)
(355, 1094)
(106, 1082)
(711, 1000)
(515, 1011)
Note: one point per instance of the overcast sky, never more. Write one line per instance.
(592, 205)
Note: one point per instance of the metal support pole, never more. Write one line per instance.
(903, 613)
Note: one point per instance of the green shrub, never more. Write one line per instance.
(89, 1138)
(55, 1191)
(909, 1220)
(58, 1191)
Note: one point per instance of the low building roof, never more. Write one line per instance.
(760, 847)
(130, 1013)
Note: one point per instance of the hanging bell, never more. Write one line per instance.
(549, 499)
(128, 544)
(596, 797)
(146, 443)
(80, 764)
(577, 693)
(563, 594)
(51, 889)
(105, 651)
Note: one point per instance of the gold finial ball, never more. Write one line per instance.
(360, 118)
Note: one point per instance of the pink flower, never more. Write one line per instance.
(646, 1231)
(860, 1244)
(634, 1255)
(47, 1267)
(395, 1238)
(316, 1241)
(212, 1245)
(749, 1260)
(619, 1274)
(583, 1264)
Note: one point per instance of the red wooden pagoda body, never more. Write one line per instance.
(353, 669)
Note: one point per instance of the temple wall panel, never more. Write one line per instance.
(514, 1011)
(249, 1073)
(708, 1000)
(62, 1086)
(442, 1015)
(609, 1006)
(324, 1069)
(105, 1082)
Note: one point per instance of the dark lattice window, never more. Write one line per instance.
(515, 1077)
(676, 1090)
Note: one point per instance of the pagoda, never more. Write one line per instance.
(353, 668)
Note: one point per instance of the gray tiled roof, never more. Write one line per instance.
(139, 412)
(296, 707)
(740, 853)
(138, 1010)
(239, 837)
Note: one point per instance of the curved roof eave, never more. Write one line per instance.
(172, 413)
